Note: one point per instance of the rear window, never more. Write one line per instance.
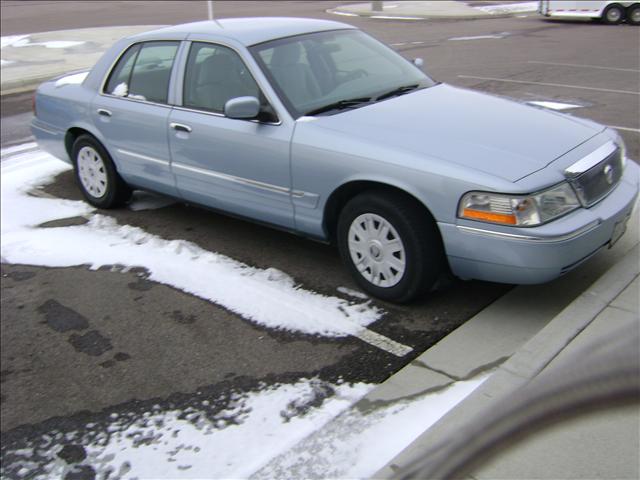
(143, 72)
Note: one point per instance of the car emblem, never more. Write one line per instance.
(608, 174)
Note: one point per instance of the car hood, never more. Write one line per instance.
(487, 133)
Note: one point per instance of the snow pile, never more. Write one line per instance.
(553, 105)
(19, 41)
(275, 300)
(13, 41)
(197, 441)
(358, 444)
(524, 7)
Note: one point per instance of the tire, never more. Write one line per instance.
(96, 174)
(613, 14)
(405, 263)
(633, 14)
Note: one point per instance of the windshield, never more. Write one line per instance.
(326, 72)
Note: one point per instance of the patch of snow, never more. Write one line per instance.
(121, 90)
(19, 41)
(509, 8)
(58, 44)
(480, 37)
(18, 148)
(74, 79)
(4, 63)
(276, 301)
(13, 40)
(352, 293)
(554, 105)
(358, 443)
(236, 442)
(142, 200)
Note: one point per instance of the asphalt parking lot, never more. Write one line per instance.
(79, 345)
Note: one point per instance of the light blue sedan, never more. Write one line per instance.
(316, 128)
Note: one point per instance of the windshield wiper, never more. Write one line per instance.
(340, 105)
(397, 91)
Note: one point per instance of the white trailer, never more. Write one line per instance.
(612, 12)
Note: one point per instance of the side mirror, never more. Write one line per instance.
(418, 62)
(242, 108)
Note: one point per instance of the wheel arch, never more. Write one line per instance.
(76, 131)
(348, 190)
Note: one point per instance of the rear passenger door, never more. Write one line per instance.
(131, 112)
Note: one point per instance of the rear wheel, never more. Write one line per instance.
(96, 175)
(391, 245)
(633, 14)
(613, 14)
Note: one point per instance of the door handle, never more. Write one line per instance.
(180, 127)
(104, 112)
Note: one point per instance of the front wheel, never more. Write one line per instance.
(613, 15)
(96, 174)
(391, 245)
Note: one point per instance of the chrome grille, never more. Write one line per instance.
(598, 181)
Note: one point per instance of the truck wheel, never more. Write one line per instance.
(96, 175)
(633, 14)
(613, 14)
(391, 245)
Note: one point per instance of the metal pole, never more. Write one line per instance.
(376, 6)
(210, 9)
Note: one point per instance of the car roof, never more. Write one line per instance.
(249, 31)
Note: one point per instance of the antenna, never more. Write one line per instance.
(210, 11)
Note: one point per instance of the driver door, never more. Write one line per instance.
(239, 166)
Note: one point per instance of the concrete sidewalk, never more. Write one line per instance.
(28, 60)
(603, 445)
(513, 340)
(435, 10)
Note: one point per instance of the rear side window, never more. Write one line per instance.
(143, 72)
(118, 83)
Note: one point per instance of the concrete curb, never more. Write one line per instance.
(416, 16)
(30, 83)
(530, 360)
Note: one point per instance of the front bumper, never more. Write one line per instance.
(482, 251)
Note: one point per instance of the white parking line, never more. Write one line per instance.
(480, 37)
(382, 342)
(585, 66)
(387, 17)
(626, 129)
(526, 82)
(344, 14)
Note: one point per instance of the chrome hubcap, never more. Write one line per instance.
(635, 15)
(92, 172)
(377, 250)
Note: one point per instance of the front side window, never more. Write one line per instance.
(215, 74)
(322, 69)
(143, 72)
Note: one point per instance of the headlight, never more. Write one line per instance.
(620, 143)
(519, 210)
